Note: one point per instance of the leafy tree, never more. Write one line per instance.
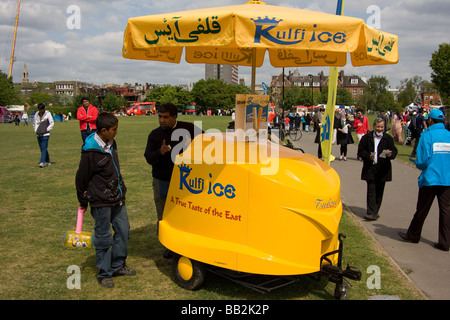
(209, 94)
(184, 97)
(173, 94)
(215, 94)
(111, 102)
(428, 87)
(236, 89)
(296, 96)
(291, 97)
(375, 96)
(441, 71)
(343, 97)
(8, 95)
(65, 100)
(156, 94)
(408, 91)
(38, 97)
(407, 94)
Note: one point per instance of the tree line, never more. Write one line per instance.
(211, 94)
(215, 94)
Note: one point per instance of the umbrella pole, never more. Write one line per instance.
(253, 70)
(326, 130)
(282, 100)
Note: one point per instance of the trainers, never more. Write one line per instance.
(41, 165)
(106, 282)
(48, 164)
(125, 271)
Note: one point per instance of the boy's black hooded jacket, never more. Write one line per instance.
(99, 175)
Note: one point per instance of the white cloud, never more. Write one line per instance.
(93, 53)
(44, 50)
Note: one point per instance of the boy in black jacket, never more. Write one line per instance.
(99, 182)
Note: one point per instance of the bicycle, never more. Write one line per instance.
(295, 133)
(281, 135)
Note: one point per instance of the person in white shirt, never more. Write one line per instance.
(25, 118)
(42, 124)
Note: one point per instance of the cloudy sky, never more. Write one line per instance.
(54, 49)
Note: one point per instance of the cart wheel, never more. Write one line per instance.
(341, 291)
(189, 274)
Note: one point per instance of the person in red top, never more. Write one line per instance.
(361, 125)
(87, 115)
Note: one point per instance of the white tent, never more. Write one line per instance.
(15, 108)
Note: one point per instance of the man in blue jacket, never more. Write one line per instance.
(433, 158)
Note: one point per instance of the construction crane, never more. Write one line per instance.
(14, 41)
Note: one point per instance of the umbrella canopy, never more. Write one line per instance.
(241, 35)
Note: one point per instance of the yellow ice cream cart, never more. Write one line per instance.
(252, 207)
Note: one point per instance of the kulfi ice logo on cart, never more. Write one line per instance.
(196, 185)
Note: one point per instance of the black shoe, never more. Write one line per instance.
(106, 282)
(125, 271)
(405, 237)
(371, 217)
(439, 246)
(168, 254)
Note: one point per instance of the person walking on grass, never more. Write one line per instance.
(25, 118)
(42, 124)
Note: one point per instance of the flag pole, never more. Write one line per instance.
(326, 130)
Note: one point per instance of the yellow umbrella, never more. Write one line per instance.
(241, 35)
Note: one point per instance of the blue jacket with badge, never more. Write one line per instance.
(433, 156)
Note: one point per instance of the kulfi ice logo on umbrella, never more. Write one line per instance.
(265, 29)
(196, 185)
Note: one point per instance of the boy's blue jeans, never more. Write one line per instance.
(43, 145)
(110, 250)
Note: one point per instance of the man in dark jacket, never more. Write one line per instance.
(376, 149)
(417, 126)
(159, 152)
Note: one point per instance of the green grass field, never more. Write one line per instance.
(38, 205)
